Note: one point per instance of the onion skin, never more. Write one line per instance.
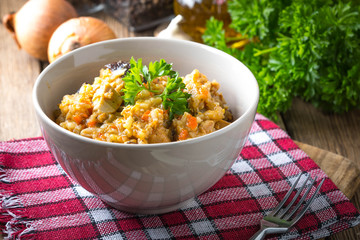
(33, 24)
(77, 32)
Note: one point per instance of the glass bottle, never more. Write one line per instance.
(195, 13)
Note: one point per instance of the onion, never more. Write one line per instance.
(75, 33)
(34, 23)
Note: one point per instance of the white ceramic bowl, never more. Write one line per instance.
(153, 178)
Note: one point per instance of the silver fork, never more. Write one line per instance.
(281, 219)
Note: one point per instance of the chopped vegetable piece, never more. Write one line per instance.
(78, 119)
(91, 123)
(106, 99)
(183, 134)
(145, 116)
(191, 122)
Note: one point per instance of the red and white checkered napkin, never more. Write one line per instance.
(39, 201)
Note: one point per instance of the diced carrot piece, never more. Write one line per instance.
(77, 119)
(183, 134)
(191, 122)
(204, 92)
(145, 116)
(91, 123)
(84, 100)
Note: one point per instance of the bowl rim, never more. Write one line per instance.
(41, 114)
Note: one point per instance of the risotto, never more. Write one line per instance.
(130, 103)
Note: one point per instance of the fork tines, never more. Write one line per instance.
(288, 212)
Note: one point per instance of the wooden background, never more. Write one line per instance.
(338, 134)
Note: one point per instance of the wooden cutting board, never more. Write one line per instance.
(344, 173)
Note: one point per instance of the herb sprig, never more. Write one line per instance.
(173, 96)
(302, 48)
(139, 78)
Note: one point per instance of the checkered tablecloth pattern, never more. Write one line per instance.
(39, 201)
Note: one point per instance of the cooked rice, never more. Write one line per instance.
(97, 111)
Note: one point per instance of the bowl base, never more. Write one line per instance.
(158, 210)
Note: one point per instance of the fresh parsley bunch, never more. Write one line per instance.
(139, 77)
(301, 48)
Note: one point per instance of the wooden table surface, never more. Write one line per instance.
(18, 71)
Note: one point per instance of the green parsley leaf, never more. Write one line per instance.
(139, 77)
(174, 98)
(133, 81)
(306, 49)
(157, 69)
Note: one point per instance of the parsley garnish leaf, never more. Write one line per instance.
(157, 69)
(174, 97)
(133, 81)
(139, 77)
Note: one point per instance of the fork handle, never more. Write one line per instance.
(265, 231)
